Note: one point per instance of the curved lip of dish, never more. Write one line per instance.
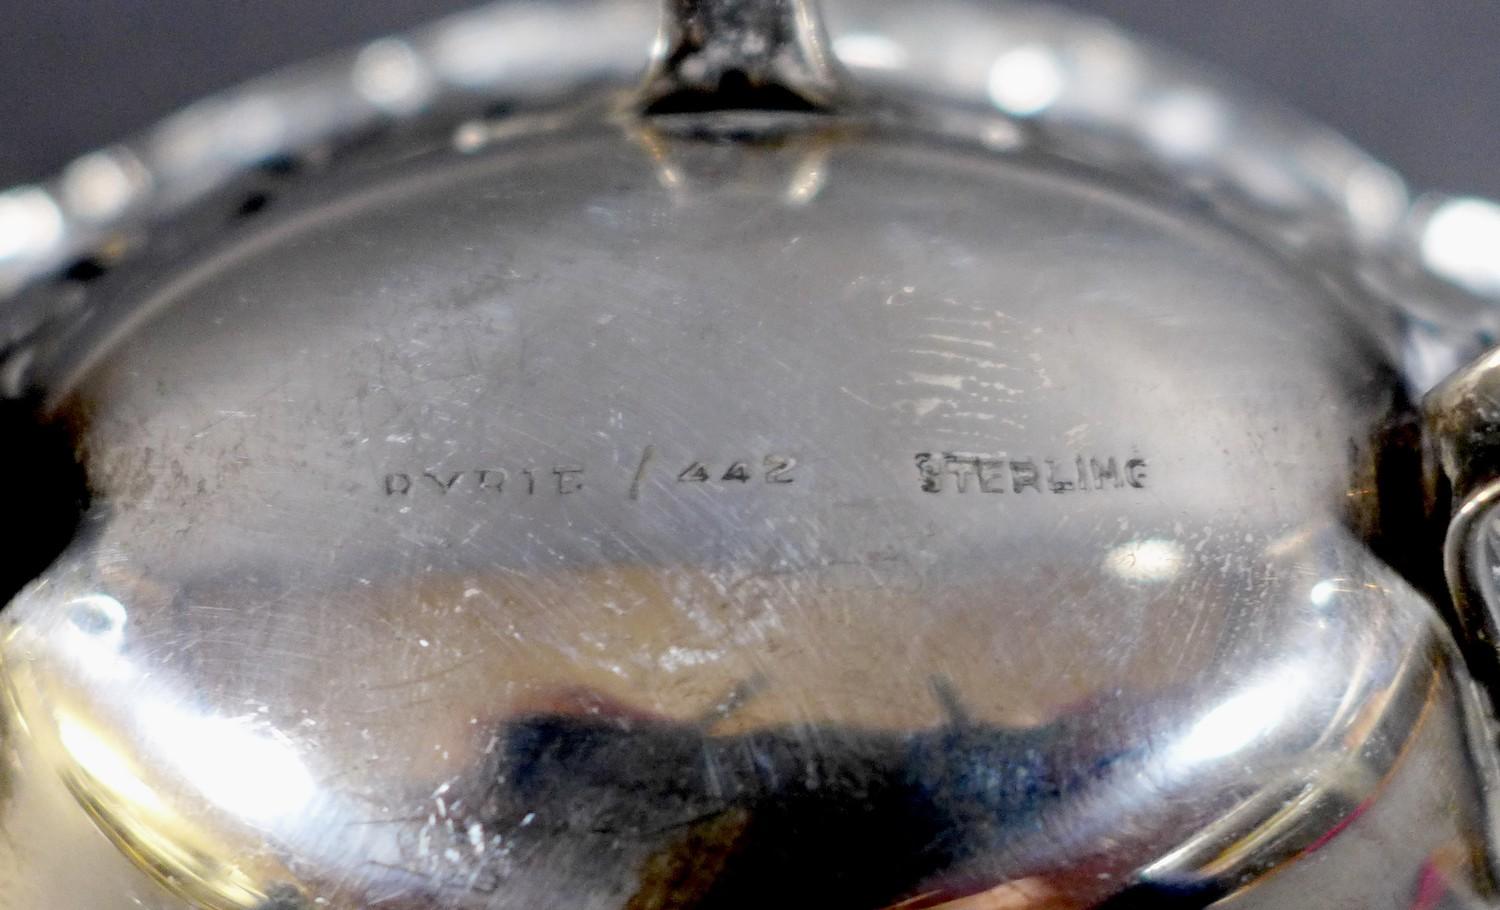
(1025, 76)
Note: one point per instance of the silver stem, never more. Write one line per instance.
(745, 54)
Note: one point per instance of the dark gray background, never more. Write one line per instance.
(1415, 81)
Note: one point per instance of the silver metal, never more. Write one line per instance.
(773, 54)
(995, 490)
(1463, 432)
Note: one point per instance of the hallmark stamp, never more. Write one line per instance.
(772, 469)
(560, 480)
(963, 472)
(567, 479)
(953, 473)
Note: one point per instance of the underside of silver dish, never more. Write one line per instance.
(580, 456)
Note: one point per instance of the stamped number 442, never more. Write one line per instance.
(776, 469)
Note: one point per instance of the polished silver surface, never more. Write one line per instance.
(991, 493)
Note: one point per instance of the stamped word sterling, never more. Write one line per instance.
(962, 472)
